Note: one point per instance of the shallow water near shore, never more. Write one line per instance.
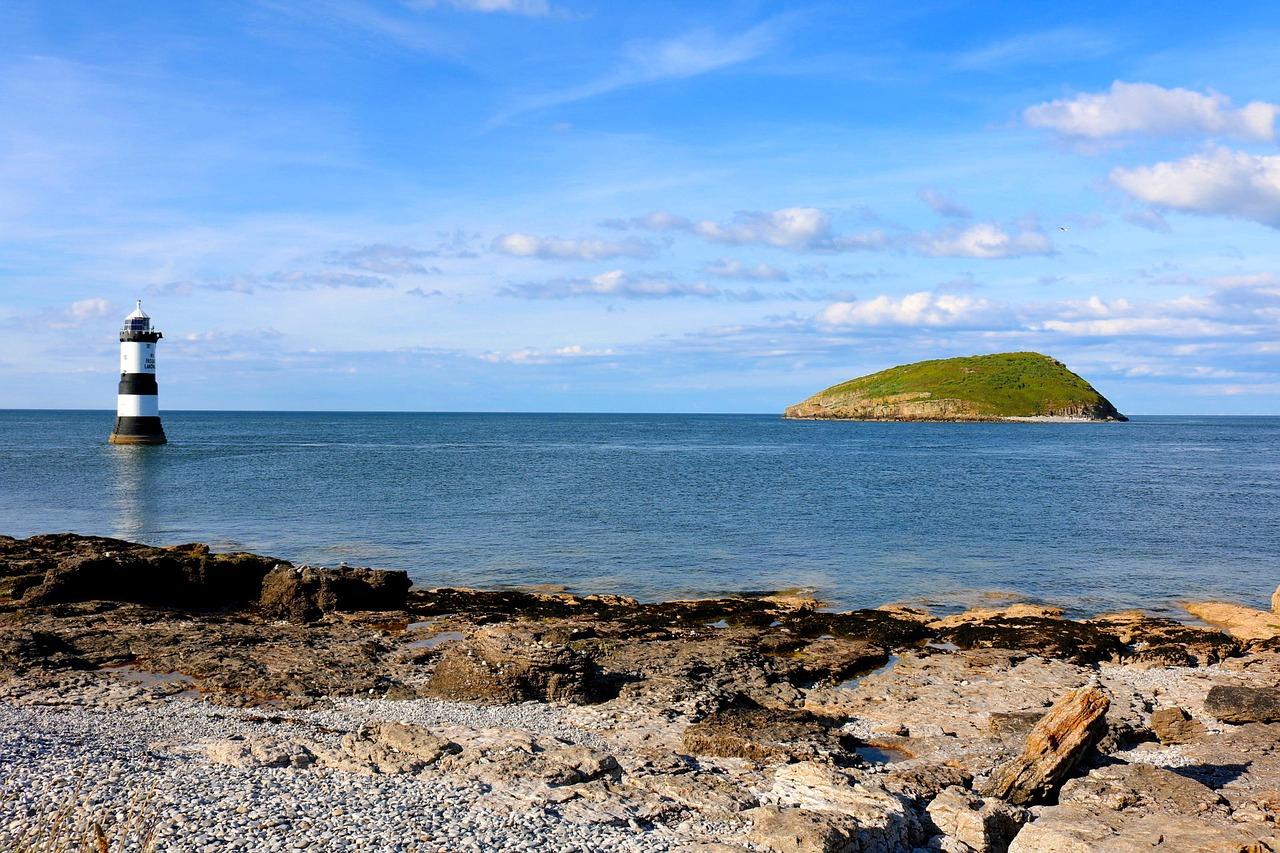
(1091, 516)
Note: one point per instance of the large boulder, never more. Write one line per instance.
(1056, 743)
(514, 662)
(90, 568)
(1232, 704)
(1243, 623)
(304, 594)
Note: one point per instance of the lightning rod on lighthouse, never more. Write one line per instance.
(137, 404)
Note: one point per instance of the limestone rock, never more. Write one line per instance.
(1275, 601)
(974, 823)
(798, 831)
(1243, 623)
(304, 594)
(766, 735)
(515, 662)
(259, 752)
(872, 818)
(1175, 725)
(1243, 704)
(391, 748)
(1074, 724)
(1128, 808)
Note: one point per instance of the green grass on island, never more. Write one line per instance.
(968, 388)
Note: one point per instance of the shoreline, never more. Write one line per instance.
(341, 709)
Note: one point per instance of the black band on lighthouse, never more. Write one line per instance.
(141, 430)
(139, 383)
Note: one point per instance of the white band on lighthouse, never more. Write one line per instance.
(137, 357)
(137, 406)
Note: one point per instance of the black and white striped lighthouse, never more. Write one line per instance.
(138, 403)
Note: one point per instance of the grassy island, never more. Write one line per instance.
(1003, 386)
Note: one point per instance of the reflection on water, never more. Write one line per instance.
(136, 506)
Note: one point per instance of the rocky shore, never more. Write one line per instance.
(176, 699)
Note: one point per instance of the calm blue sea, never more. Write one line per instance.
(1093, 516)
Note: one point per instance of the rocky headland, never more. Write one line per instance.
(1007, 386)
(177, 699)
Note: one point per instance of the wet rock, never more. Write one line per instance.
(1243, 623)
(304, 594)
(829, 660)
(767, 735)
(1243, 704)
(514, 663)
(259, 752)
(1165, 642)
(22, 650)
(87, 568)
(1074, 724)
(1175, 725)
(969, 822)
(1051, 637)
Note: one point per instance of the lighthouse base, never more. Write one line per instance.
(138, 431)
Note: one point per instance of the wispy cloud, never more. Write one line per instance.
(731, 268)
(985, 240)
(530, 8)
(618, 284)
(943, 204)
(386, 259)
(530, 246)
(1048, 47)
(646, 62)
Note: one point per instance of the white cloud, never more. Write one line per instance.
(1219, 181)
(985, 240)
(1143, 108)
(529, 246)
(531, 8)
(530, 355)
(943, 204)
(924, 308)
(790, 227)
(731, 268)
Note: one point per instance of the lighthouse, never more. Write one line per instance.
(137, 404)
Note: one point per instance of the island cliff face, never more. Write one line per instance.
(995, 387)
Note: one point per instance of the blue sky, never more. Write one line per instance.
(580, 206)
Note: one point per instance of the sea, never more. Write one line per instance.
(1089, 516)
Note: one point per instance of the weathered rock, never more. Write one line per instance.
(1243, 623)
(1056, 743)
(514, 662)
(1175, 725)
(1128, 808)
(391, 748)
(22, 650)
(974, 823)
(1047, 636)
(871, 818)
(1165, 642)
(259, 752)
(1243, 704)
(767, 735)
(1275, 601)
(304, 594)
(88, 568)
(799, 831)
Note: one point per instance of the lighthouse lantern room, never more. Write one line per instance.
(137, 404)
